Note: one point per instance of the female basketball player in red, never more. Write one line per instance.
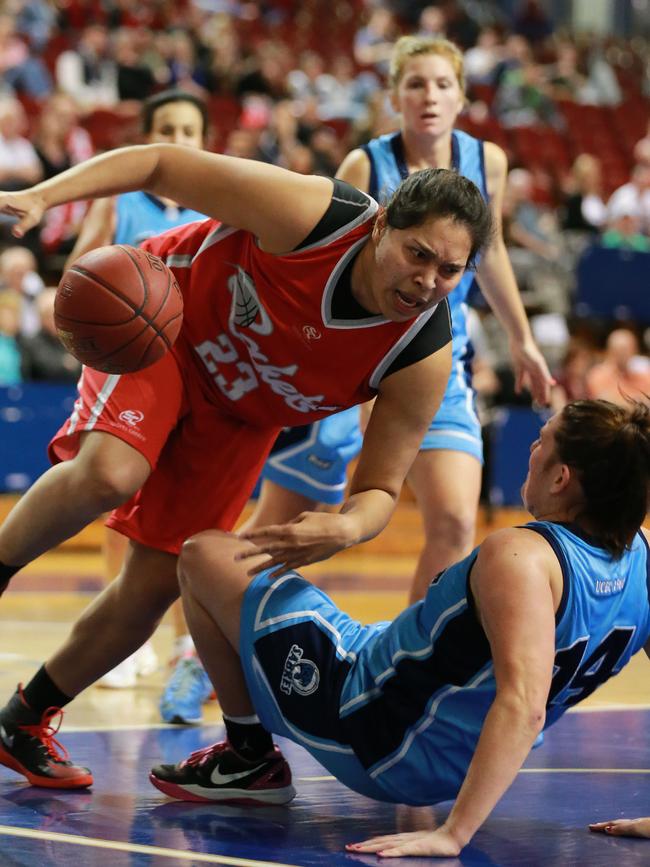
(316, 301)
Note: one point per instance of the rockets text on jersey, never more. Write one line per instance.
(235, 376)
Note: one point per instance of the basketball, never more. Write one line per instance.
(118, 309)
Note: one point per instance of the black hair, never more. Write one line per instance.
(151, 105)
(609, 448)
(442, 193)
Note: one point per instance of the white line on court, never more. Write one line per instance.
(118, 846)
(325, 779)
(584, 771)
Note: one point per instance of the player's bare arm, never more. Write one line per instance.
(406, 402)
(516, 589)
(97, 229)
(355, 169)
(278, 206)
(497, 281)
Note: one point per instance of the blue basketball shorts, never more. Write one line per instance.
(296, 649)
(313, 460)
(456, 425)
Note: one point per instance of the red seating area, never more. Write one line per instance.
(609, 133)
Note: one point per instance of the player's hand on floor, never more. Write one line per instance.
(623, 827)
(310, 537)
(27, 206)
(438, 843)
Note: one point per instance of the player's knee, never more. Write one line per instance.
(109, 482)
(207, 556)
(457, 527)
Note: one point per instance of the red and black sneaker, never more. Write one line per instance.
(28, 746)
(218, 773)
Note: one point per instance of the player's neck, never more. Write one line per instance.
(424, 151)
(361, 279)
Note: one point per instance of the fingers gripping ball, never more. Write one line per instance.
(118, 309)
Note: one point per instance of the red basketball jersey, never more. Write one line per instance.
(260, 330)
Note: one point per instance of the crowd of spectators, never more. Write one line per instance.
(300, 84)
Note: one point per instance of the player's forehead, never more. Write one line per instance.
(178, 113)
(548, 429)
(448, 239)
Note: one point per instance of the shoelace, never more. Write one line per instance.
(199, 757)
(44, 731)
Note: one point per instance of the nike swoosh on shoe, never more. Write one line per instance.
(220, 779)
(7, 739)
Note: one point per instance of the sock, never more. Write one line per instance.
(6, 574)
(41, 692)
(248, 737)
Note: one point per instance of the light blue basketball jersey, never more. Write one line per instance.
(140, 215)
(456, 425)
(415, 699)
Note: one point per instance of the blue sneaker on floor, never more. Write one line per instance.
(187, 689)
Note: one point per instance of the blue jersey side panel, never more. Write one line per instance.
(140, 216)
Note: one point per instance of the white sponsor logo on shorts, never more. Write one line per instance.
(132, 416)
(301, 675)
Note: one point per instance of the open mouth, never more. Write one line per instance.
(407, 301)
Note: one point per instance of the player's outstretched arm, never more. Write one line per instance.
(497, 281)
(511, 583)
(278, 206)
(406, 403)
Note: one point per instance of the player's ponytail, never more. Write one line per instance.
(609, 447)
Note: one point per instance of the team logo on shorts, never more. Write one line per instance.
(299, 674)
(132, 416)
(247, 311)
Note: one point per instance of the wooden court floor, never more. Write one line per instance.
(593, 764)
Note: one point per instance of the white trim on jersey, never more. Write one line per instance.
(426, 721)
(329, 320)
(277, 461)
(453, 434)
(403, 654)
(397, 348)
(259, 625)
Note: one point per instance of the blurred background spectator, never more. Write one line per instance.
(10, 355)
(43, 357)
(19, 163)
(623, 371)
(584, 209)
(19, 275)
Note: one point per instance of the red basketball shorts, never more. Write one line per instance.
(204, 461)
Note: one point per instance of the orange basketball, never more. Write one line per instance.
(118, 309)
